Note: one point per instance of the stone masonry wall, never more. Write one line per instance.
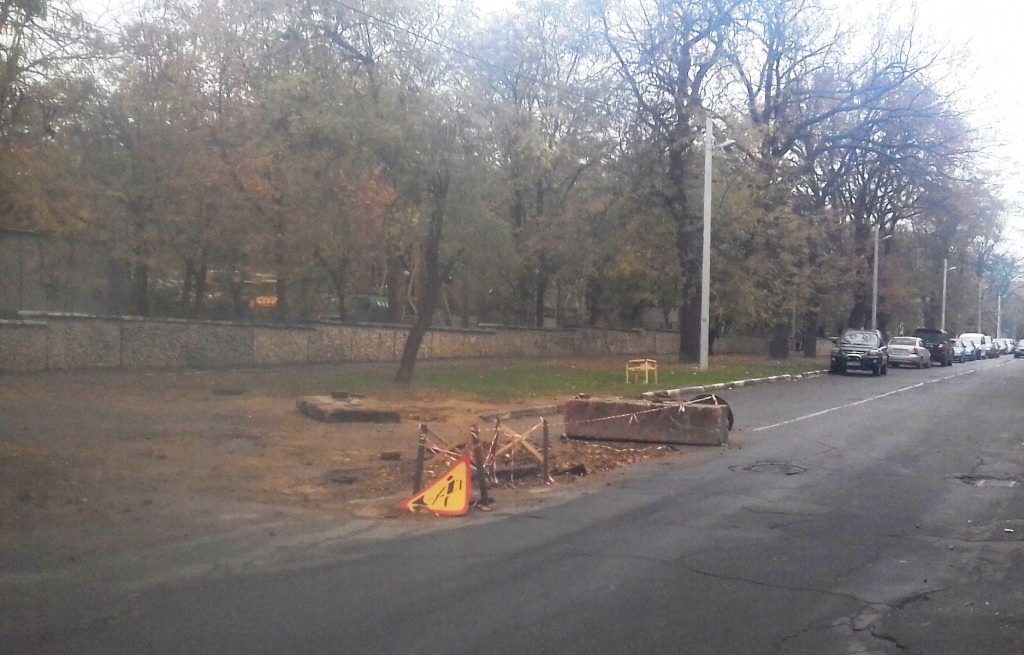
(70, 341)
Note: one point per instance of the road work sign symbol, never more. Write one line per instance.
(448, 495)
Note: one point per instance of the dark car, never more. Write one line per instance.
(860, 350)
(939, 343)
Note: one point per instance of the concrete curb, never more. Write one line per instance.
(548, 410)
(736, 384)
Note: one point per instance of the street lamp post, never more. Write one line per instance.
(874, 280)
(945, 269)
(705, 269)
(999, 315)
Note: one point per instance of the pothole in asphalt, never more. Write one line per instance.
(229, 392)
(986, 482)
(777, 468)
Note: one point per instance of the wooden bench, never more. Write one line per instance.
(645, 366)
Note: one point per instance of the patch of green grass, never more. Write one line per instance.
(544, 380)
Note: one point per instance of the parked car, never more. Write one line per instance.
(909, 351)
(1006, 346)
(938, 342)
(970, 350)
(982, 344)
(1019, 350)
(859, 350)
(959, 351)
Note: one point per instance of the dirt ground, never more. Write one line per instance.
(150, 452)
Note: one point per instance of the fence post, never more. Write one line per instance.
(493, 448)
(547, 453)
(417, 478)
(481, 477)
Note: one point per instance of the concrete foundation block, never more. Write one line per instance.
(329, 410)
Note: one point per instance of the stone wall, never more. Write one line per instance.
(73, 341)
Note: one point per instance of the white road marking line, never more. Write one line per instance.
(860, 402)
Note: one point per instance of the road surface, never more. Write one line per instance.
(861, 515)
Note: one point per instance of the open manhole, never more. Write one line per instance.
(777, 468)
(977, 481)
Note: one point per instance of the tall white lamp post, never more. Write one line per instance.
(874, 280)
(705, 268)
(999, 315)
(946, 268)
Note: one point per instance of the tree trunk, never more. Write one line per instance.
(238, 307)
(689, 330)
(430, 278)
(778, 345)
(688, 239)
(394, 286)
(860, 315)
(140, 290)
(185, 301)
(592, 297)
(281, 289)
(542, 289)
(199, 304)
(810, 333)
(559, 304)
(119, 279)
(337, 275)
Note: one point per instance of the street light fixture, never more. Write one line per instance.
(705, 270)
(874, 280)
(945, 270)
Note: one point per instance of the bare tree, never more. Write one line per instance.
(665, 54)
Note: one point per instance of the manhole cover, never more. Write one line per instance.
(987, 482)
(778, 468)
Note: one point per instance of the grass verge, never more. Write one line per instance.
(520, 380)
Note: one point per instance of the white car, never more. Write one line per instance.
(910, 351)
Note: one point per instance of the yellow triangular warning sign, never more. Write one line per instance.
(449, 494)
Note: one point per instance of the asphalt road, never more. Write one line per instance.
(861, 515)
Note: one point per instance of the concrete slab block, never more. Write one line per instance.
(647, 422)
(329, 410)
